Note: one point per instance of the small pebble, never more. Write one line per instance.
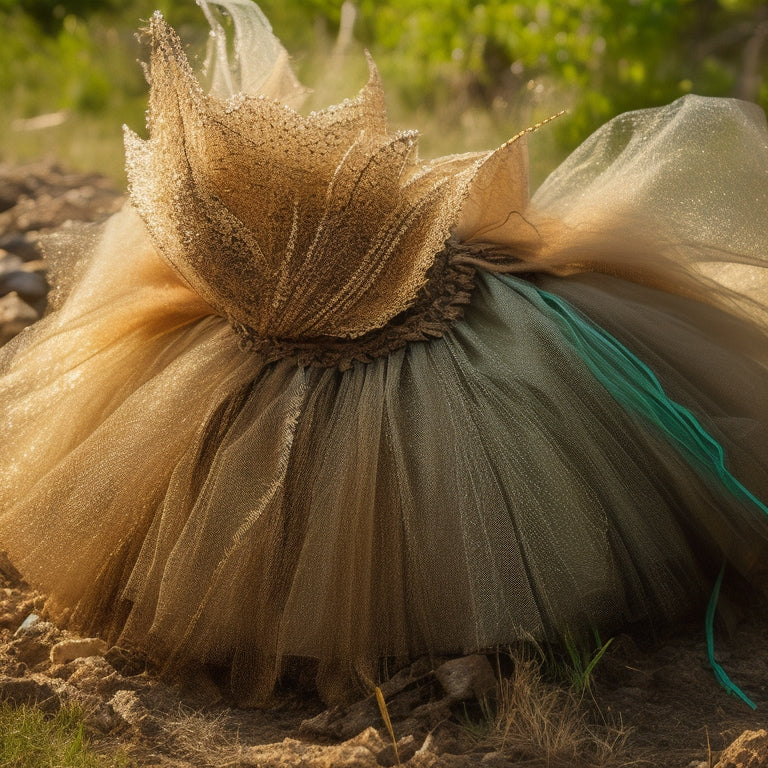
(29, 622)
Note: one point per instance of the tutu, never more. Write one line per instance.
(309, 397)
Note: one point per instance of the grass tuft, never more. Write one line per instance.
(539, 723)
(583, 662)
(30, 739)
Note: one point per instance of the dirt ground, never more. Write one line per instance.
(660, 692)
(654, 697)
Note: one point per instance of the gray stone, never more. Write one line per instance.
(21, 245)
(29, 285)
(28, 623)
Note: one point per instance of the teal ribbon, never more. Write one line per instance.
(635, 387)
(720, 673)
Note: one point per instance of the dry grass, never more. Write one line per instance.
(538, 723)
(203, 740)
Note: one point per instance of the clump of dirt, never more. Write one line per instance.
(650, 701)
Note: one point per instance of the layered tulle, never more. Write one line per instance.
(582, 450)
(178, 496)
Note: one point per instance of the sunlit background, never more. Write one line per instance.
(467, 74)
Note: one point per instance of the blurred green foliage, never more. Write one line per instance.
(469, 73)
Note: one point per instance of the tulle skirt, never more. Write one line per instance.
(550, 465)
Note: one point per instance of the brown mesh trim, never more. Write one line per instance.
(438, 306)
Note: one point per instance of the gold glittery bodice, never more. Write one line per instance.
(296, 228)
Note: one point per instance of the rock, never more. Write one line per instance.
(37, 265)
(439, 750)
(129, 709)
(750, 750)
(291, 752)
(430, 754)
(346, 721)
(371, 739)
(404, 693)
(14, 608)
(15, 316)
(342, 722)
(126, 661)
(406, 749)
(33, 627)
(409, 698)
(443, 740)
(69, 650)
(33, 645)
(8, 573)
(495, 760)
(26, 248)
(425, 718)
(50, 209)
(17, 669)
(10, 191)
(42, 196)
(9, 262)
(29, 285)
(406, 677)
(94, 675)
(98, 715)
(11, 615)
(27, 691)
(429, 746)
(428, 759)
(127, 705)
(470, 677)
(28, 623)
